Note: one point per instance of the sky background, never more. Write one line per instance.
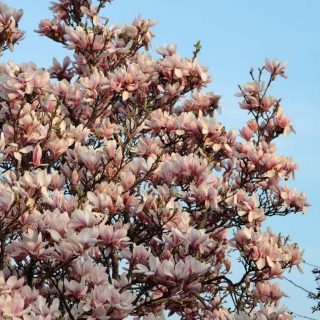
(235, 36)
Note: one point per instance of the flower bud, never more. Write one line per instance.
(75, 177)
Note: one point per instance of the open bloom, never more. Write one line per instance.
(274, 68)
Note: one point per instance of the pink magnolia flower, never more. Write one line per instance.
(77, 37)
(84, 218)
(75, 288)
(37, 155)
(41, 307)
(36, 179)
(267, 102)
(170, 50)
(198, 240)
(52, 29)
(115, 235)
(127, 180)
(91, 13)
(83, 240)
(101, 201)
(31, 244)
(58, 146)
(139, 254)
(274, 68)
(282, 122)
(65, 250)
(89, 156)
(6, 197)
(14, 307)
(252, 88)
(107, 129)
(61, 71)
(147, 147)
(11, 284)
(253, 125)
(246, 133)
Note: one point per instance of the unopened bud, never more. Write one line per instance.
(75, 177)
(37, 155)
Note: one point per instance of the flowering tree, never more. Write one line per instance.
(119, 185)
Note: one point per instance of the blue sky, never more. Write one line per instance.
(235, 36)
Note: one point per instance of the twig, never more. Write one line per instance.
(298, 315)
(299, 286)
(309, 264)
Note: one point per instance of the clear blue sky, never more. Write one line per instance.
(235, 36)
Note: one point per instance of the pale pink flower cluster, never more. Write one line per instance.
(19, 301)
(17, 81)
(266, 250)
(119, 184)
(9, 32)
(265, 313)
(268, 293)
(254, 93)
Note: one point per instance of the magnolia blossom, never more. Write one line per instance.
(90, 157)
(274, 67)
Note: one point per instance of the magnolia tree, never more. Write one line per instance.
(120, 189)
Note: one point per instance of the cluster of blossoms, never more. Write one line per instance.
(118, 184)
(9, 32)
